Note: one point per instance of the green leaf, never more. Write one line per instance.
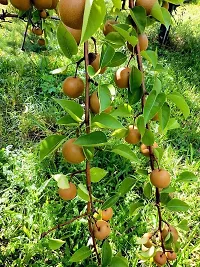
(88, 152)
(172, 124)
(161, 14)
(105, 120)
(138, 14)
(164, 198)
(184, 225)
(164, 116)
(126, 152)
(49, 145)
(67, 120)
(157, 86)
(66, 41)
(82, 192)
(158, 153)
(147, 190)
(124, 110)
(120, 133)
(151, 56)
(107, 55)
(125, 31)
(119, 261)
(61, 180)
(148, 138)
(134, 207)
(180, 102)
(104, 96)
(117, 4)
(95, 11)
(118, 59)
(187, 177)
(81, 254)
(91, 71)
(135, 81)
(97, 174)
(106, 254)
(169, 189)
(147, 254)
(166, 17)
(141, 125)
(74, 109)
(126, 186)
(93, 139)
(110, 202)
(115, 39)
(153, 104)
(55, 243)
(177, 205)
(176, 2)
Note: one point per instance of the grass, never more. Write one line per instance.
(29, 201)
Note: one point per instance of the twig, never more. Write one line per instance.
(78, 64)
(92, 81)
(76, 172)
(63, 224)
(130, 59)
(25, 34)
(88, 177)
(123, 4)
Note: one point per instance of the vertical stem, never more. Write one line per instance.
(25, 34)
(90, 207)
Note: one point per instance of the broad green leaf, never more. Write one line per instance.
(119, 261)
(49, 145)
(157, 86)
(180, 102)
(91, 71)
(148, 138)
(106, 254)
(88, 152)
(105, 120)
(93, 139)
(124, 110)
(151, 56)
(138, 14)
(81, 254)
(135, 81)
(120, 133)
(115, 39)
(118, 59)
(176, 2)
(183, 225)
(82, 192)
(107, 55)
(177, 205)
(164, 198)
(67, 120)
(55, 243)
(66, 41)
(126, 186)
(141, 125)
(187, 177)
(166, 17)
(164, 116)
(61, 180)
(126, 152)
(147, 190)
(134, 207)
(74, 109)
(95, 11)
(110, 202)
(158, 153)
(156, 12)
(169, 189)
(172, 124)
(125, 31)
(104, 96)
(97, 174)
(117, 4)
(153, 104)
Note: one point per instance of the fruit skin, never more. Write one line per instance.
(160, 178)
(95, 104)
(43, 14)
(37, 31)
(122, 77)
(94, 61)
(101, 229)
(147, 4)
(143, 41)
(172, 230)
(54, 4)
(41, 42)
(42, 4)
(68, 193)
(160, 258)
(73, 87)
(72, 153)
(145, 150)
(108, 27)
(133, 136)
(156, 117)
(21, 4)
(107, 214)
(76, 34)
(149, 244)
(165, 5)
(71, 13)
(4, 2)
(171, 256)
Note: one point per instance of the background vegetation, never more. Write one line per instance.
(29, 202)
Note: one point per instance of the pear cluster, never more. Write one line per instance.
(39, 4)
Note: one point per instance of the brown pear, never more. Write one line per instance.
(172, 230)
(108, 27)
(122, 77)
(160, 178)
(72, 153)
(43, 14)
(21, 4)
(4, 2)
(68, 193)
(76, 34)
(38, 31)
(133, 136)
(54, 4)
(107, 214)
(41, 42)
(94, 61)
(171, 255)
(101, 229)
(147, 4)
(42, 4)
(160, 258)
(73, 87)
(145, 150)
(143, 41)
(165, 5)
